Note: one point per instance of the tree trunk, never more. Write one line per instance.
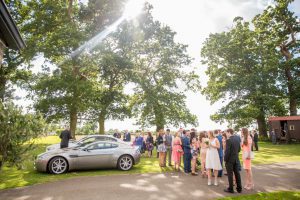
(159, 126)
(262, 126)
(101, 121)
(73, 122)
(290, 81)
(293, 104)
(159, 118)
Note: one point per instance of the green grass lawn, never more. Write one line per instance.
(11, 177)
(281, 195)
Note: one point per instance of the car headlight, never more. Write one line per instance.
(49, 148)
(42, 156)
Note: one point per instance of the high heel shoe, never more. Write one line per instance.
(209, 182)
(251, 187)
(216, 182)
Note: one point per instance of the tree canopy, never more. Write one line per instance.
(247, 71)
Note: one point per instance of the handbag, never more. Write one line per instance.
(246, 155)
(179, 150)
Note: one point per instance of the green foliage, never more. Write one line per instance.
(279, 28)
(161, 72)
(93, 85)
(242, 72)
(16, 130)
(88, 128)
(14, 69)
(55, 30)
(256, 71)
(108, 100)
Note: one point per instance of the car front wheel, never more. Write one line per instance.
(125, 162)
(58, 165)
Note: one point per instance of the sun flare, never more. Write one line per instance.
(133, 8)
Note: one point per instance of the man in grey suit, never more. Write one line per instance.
(169, 140)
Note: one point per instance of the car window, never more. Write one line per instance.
(111, 139)
(87, 141)
(109, 145)
(96, 146)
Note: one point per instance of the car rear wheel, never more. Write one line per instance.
(58, 165)
(125, 162)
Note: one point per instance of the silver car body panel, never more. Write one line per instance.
(88, 139)
(87, 157)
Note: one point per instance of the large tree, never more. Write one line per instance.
(161, 73)
(56, 30)
(279, 28)
(108, 100)
(242, 72)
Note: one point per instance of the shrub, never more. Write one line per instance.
(16, 133)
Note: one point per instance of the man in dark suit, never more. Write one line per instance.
(187, 156)
(231, 159)
(255, 139)
(65, 136)
(127, 136)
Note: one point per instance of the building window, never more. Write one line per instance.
(292, 127)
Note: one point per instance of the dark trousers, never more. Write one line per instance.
(256, 145)
(64, 146)
(233, 168)
(187, 162)
(220, 173)
(169, 155)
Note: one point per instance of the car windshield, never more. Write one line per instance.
(89, 140)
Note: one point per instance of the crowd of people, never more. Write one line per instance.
(208, 149)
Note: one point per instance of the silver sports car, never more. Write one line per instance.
(100, 154)
(86, 140)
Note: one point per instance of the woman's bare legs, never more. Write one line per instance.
(209, 176)
(193, 166)
(246, 179)
(216, 176)
(250, 180)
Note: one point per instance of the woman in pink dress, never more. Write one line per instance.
(246, 148)
(203, 150)
(177, 151)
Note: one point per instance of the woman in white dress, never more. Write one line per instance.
(212, 158)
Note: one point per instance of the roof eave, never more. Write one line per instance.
(10, 32)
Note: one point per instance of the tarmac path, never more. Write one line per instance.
(177, 185)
